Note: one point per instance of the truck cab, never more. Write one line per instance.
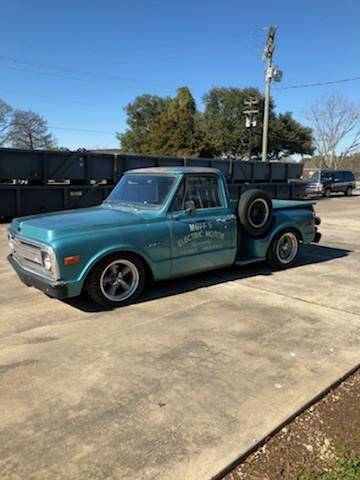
(157, 223)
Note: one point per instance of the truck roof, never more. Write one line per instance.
(175, 170)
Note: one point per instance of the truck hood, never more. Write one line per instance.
(51, 226)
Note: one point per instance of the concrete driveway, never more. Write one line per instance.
(181, 384)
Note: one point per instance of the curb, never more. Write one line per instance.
(260, 443)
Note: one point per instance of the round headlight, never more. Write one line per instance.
(11, 242)
(47, 261)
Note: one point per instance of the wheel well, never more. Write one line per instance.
(288, 229)
(148, 271)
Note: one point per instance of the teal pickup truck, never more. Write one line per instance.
(157, 223)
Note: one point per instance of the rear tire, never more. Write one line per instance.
(348, 192)
(283, 250)
(117, 280)
(255, 212)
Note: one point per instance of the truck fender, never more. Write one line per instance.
(110, 251)
(283, 227)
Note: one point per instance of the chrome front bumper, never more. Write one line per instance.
(56, 289)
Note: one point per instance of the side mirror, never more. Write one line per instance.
(190, 207)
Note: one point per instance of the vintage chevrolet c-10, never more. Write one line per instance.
(157, 223)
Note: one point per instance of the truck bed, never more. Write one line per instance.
(280, 204)
(289, 204)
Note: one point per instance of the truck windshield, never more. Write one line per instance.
(144, 190)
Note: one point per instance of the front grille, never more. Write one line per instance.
(312, 188)
(27, 251)
(29, 256)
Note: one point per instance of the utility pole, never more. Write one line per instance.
(250, 119)
(270, 73)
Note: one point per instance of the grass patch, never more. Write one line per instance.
(347, 468)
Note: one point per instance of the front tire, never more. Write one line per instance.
(348, 192)
(116, 280)
(283, 250)
(327, 193)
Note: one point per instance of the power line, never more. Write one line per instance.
(55, 127)
(96, 78)
(319, 84)
(57, 99)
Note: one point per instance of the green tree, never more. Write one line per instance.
(140, 115)
(173, 126)
(288, 137)
(29, 130)
(223, 122)
(175, 131)
(225, 133)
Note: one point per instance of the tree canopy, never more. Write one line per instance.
(165, 126)
(140, 117)
(24, 129)
(174, 126)
(29, 130)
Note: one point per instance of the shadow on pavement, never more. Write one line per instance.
(309, 254)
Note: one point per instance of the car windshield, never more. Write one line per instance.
(324, 175)
(142, 190)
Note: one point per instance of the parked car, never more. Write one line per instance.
(157, 223)
(328, 181)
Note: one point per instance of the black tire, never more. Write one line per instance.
(103, 278)
(255, 212)
(348, 192)
(274, 256)
(327, 192)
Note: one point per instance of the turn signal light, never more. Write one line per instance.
(73, 260)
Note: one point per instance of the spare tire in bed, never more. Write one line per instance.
(255, 212)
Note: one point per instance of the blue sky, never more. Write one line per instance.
(78, 63)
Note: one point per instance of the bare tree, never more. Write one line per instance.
(29, 130)
(336, 129)
(5, 119)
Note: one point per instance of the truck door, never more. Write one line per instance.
(206, 238)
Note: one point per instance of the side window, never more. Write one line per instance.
(337, 177)
(202, 190)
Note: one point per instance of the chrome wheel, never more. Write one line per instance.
(287, 247)
(119, 280)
